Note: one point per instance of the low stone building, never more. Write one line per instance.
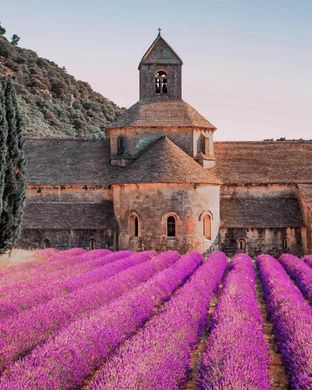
(159, 181)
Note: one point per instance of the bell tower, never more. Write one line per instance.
(160, 72)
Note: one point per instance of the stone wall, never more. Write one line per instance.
(153, 203)
(137, 139)
(69, 216)
(262, 240)
(147, 81)
(267, 218)
(307, 215)
(63, 239)
(94, 194)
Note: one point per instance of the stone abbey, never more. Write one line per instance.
(159, 181)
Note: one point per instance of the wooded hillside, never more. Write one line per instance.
(54, 103)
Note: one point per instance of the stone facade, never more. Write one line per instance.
(159, 181)
(153, 203)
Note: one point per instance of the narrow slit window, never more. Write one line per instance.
(171, 226)
(285, 244)
(46, 243)
(92, 244)
(242, 246)
(207, 226)
(121, 145)
(134, 226)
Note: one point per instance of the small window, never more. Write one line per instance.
(134, 225)
(242, 246)
(203, 145)
(206, 146)
(92, 244)
(285, 244)
(46, 243)
(121, 145)
(161, 82)
(171, 226)
(207, 226)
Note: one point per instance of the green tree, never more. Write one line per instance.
(3, 143)
(2, 30)
(14, 191)
(14, 40)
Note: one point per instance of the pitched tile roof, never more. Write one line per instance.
(260, 212)
(160, 52)
(306, 192)
(87, 162)
(58, 215)
(162, 113)
(263, 162)
(68, 161)
(164, 162)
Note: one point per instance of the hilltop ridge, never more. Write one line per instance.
(53, 103)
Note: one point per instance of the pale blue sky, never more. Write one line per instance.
(247, 64)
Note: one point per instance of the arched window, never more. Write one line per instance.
(161, 82)
(134, 225)
(171, 226)
(92, 244)
(121, 145)
(285, 244)
(46, 243)
(242, 245)
(207, 226)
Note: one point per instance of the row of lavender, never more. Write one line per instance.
(236, 353)
(90, 323)
(74, 352)
(22, 332)
(13, 298)
(291, 315)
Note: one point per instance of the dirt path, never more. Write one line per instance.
(277, 372)
(192, 381)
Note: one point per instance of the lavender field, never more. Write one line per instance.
(124, 320)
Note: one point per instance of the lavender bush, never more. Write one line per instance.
(53, 264)
(24, 331)
(300, 272)
(15, 299)
(77, 350)
(308, 260)
(236, 336)
(292, 319)
(158, 356)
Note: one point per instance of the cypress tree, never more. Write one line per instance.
(14, 192)
(3, 143)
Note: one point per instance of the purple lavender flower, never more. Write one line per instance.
(292, 320)
(15, 300)
(300, 272)
(158, 356)
(24, 331)
(308, 260)
(50, 262)
(236, 354)
(77, 350)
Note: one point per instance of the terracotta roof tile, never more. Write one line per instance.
(162, 113)
(68, 161)
(165, 162)
(263, 162)
(262, 212)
